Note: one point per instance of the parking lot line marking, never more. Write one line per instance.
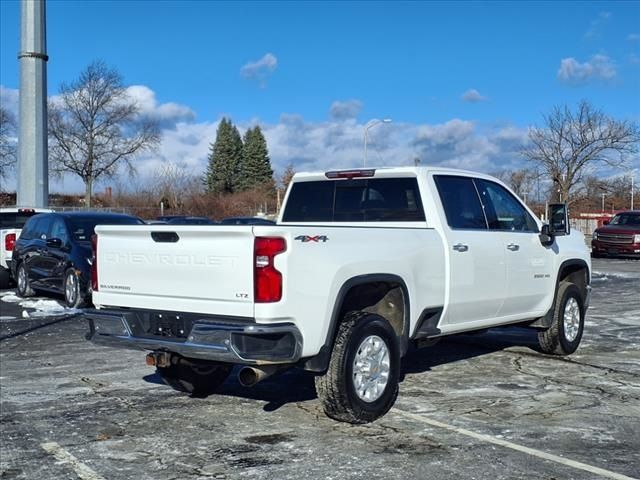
(514, 446)
(60, 454)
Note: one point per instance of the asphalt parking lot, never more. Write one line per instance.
(472, 407)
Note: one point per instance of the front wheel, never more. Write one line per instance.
(74, 297)
(361, 383)
(23, 288)
(565, 332)
(196, 377)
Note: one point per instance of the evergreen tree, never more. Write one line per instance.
(257, 171)
(225, 160)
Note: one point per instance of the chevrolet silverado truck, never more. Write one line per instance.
(618, 237)
(361, 265)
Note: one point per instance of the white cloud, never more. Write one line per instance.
(343, 110)
(260, 70)
(166, 114)
(597, 25)
(473, 96)
(321, 145)
(633, 37)
(598, 68)
(9, 98)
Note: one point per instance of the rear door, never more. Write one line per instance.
(477, 283)
(204, 269)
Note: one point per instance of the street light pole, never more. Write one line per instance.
(370, 124)
(603, 203)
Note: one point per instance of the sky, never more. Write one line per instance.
(461, 81)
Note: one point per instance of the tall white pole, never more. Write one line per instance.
(33, 165)
(632, 178)
(370, 124)
(603, 202)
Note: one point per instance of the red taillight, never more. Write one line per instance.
(267, 281)
(94, 263)
(9, 241)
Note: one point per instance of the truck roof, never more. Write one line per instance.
(388, 172)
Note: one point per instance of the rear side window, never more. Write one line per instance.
(357, 200)
(461, 204)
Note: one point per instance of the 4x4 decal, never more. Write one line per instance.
(309, 238)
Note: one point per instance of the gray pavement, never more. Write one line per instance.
(472, 407)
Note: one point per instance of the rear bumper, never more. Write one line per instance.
(247, 343)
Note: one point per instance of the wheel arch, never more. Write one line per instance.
(384, 294)
(575, 271)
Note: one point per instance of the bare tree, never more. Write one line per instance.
(95, 127)
(174, 183)
(7, 145)
(521, 181)
(572, 142)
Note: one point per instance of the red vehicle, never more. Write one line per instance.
(620, 236)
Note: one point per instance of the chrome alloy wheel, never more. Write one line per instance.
(371, 369)
(71, 289)
(571, 319)
(22, 279)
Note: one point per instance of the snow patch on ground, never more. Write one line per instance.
(45, 308)
(602, 276)
(10, 297)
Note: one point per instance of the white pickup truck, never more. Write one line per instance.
(360, 264)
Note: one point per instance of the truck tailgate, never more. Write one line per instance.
(200, 269)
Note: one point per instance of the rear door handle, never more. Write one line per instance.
(460, 247)
(514, 247)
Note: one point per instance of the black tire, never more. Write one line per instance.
(5, 278)
(23, 288)
(556, 340)
(336, 388)
(74, 294)
(196, 377)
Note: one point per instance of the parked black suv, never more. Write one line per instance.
(53, 253)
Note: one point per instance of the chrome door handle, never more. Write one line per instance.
(460, 247)
(514, 247)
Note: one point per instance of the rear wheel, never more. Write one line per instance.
(23, 288)
(565, 333)
(196, 377)
(361, 383)
(74, 297)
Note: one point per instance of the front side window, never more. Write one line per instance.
(461, 204)
(356, 200)
(503, 210)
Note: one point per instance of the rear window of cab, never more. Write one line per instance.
(355, 200)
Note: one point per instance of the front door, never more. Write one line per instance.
(477, 274)
(528, 262)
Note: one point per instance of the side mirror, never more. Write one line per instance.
(559, 219)
(54, 242)
(546, 236)
(605, 222)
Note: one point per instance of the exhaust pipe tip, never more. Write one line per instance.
(248, 376)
